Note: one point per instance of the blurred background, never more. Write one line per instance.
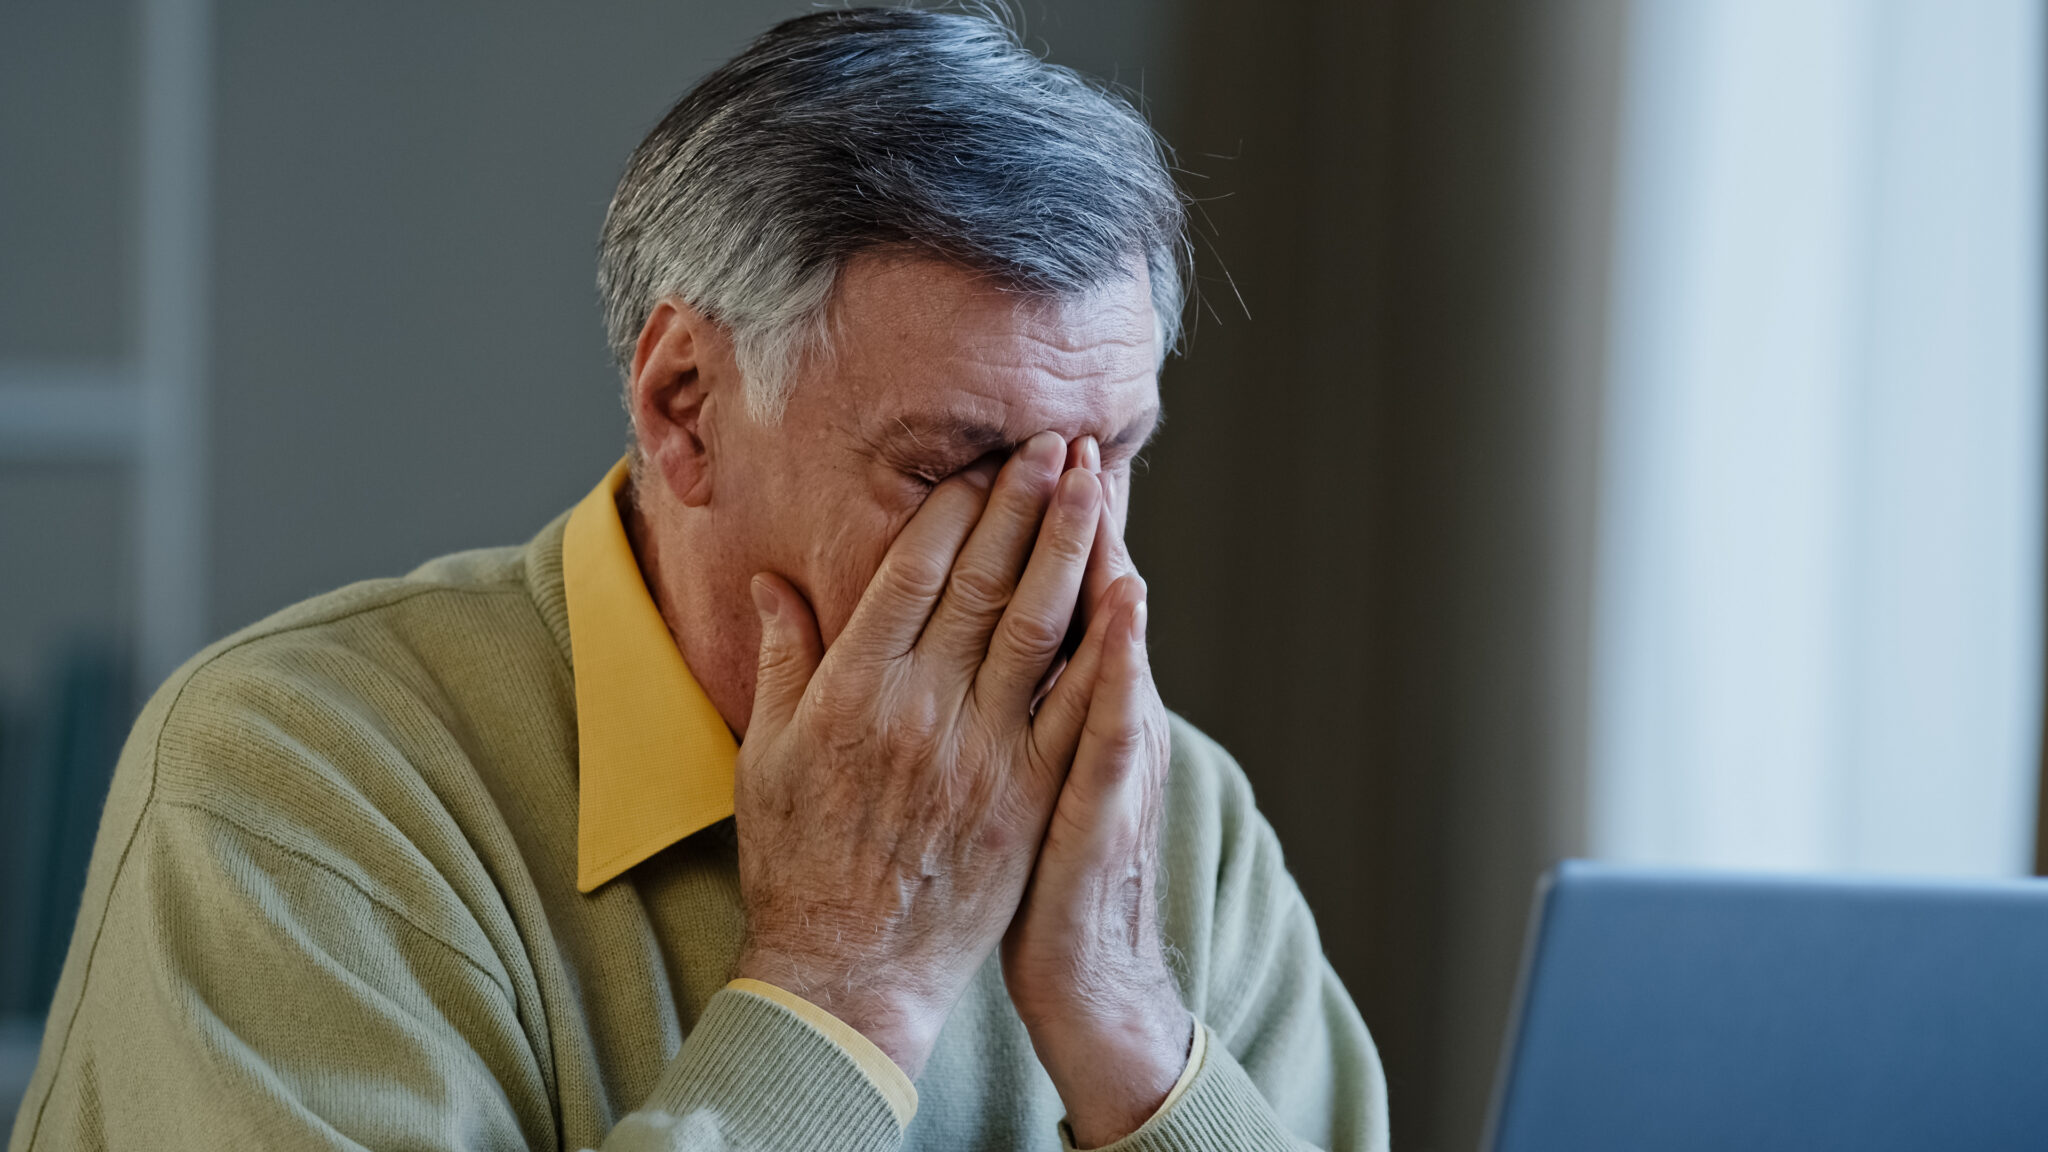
(1607, 427)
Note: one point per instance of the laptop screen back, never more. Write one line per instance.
(1676, 1011)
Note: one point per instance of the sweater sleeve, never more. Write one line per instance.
(238, 994)
(241, 994)
(1287, 1062)
(758, 1074)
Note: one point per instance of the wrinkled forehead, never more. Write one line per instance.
(925, 344)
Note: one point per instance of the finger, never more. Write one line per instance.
(790, 651)
(985, 574)
(1084, 453)
(1052, 674)
(899, 598)
(1034, 626)
(1062, 715)
(1105, 807)
(1113, 737)
(1108, 559)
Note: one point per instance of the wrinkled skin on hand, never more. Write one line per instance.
(903, 809)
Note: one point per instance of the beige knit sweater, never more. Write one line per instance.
(333, 905)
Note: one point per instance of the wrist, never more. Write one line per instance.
(904, 1026)
(1113, 1072)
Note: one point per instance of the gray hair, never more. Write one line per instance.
(873, 129)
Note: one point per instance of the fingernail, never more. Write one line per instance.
(764, 600)
(1075, 490)
(1091, 454)
(1046, 450)
(1138, 616)
(982, 475)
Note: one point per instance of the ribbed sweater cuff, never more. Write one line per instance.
(1219, 1109)
(771, 1081)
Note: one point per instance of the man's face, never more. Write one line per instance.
(931, 369)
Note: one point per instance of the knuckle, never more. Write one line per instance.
(1126, 746)
(1021, 493)
(910, 736)
(1069, 540)
(778, 661)
(1124, 743)
(975, 587)
(1033, 633)
(837, 709)
(918, 574)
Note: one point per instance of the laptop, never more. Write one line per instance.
(1664, 1011)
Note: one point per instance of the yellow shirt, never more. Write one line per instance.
(655, 758)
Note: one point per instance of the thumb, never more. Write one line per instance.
(790, 651)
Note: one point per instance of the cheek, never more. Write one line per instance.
(849, 549)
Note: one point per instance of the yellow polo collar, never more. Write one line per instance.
(655, 758)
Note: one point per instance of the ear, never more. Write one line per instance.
(680, 357)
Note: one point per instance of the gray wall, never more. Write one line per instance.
(67, 207)
(67, 179)
(407, 358)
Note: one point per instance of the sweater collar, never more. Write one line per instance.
(655, 759)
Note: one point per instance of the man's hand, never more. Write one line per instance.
(892, 793)
(1083, 959)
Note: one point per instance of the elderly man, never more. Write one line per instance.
(804, 787)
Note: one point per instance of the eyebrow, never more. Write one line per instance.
(949, 437)
(964, 440)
